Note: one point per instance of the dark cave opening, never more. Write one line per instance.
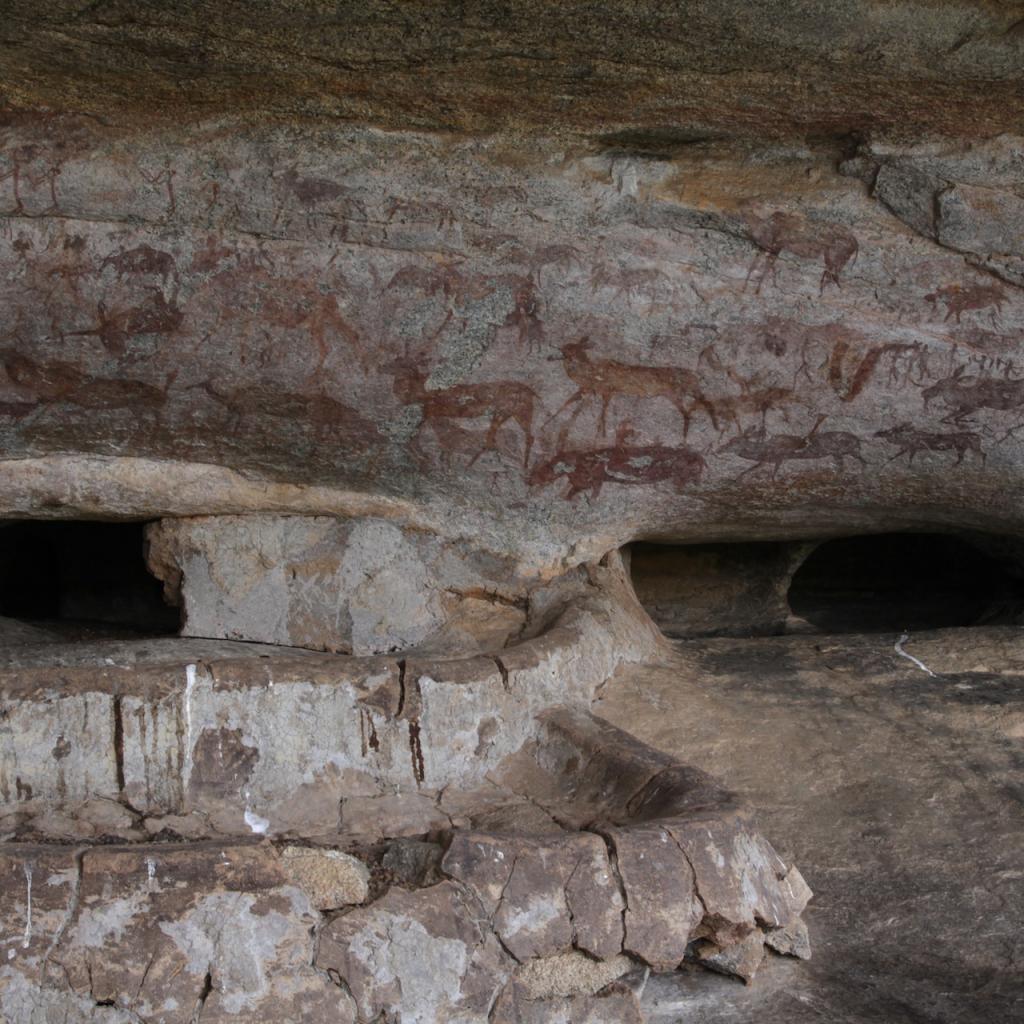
(886, 582)
(81, 580)
(905, 581)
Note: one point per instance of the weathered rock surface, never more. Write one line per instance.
(728, 343)
(626, 857)
(361, 588)
(397, 365)
(417, 957)
(293, 744)
(640, 73)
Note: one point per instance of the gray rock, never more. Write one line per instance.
(417, 956)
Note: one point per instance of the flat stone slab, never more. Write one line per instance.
(894, 791)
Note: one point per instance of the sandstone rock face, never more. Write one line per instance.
(565, 854)
(663, 77)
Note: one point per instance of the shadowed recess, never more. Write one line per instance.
(896, 581)
(90, 575)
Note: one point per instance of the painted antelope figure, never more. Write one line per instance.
(754, 397)
(590, 469)
(499, 401)
(328, 418)
(965, 396)
(754, 401)
(911, 441)
(959, 299)
(605, 378)
(773, 450)
(62, 382)
(629, 282)
(789, 232)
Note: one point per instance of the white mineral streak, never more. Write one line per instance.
(190, 685)
(27, 938)
(904, 637)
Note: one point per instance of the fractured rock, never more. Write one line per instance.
(417, 956)
(365, 587)
(662, 906)
(740, 959)
(790, 940)
(543, 895)
(160, 930)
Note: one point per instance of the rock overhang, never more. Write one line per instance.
(329, 289)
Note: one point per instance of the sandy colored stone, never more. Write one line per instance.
(569, 974)
(330, 878)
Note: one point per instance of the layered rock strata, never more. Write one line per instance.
(200, 831)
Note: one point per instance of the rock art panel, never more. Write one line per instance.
(416, 336)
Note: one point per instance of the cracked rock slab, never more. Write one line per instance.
(417, 956)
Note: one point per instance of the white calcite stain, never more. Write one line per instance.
(190, 685)
(27, 937)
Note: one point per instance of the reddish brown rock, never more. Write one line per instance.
(662, 907)
(740, 959)
(738, 876)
